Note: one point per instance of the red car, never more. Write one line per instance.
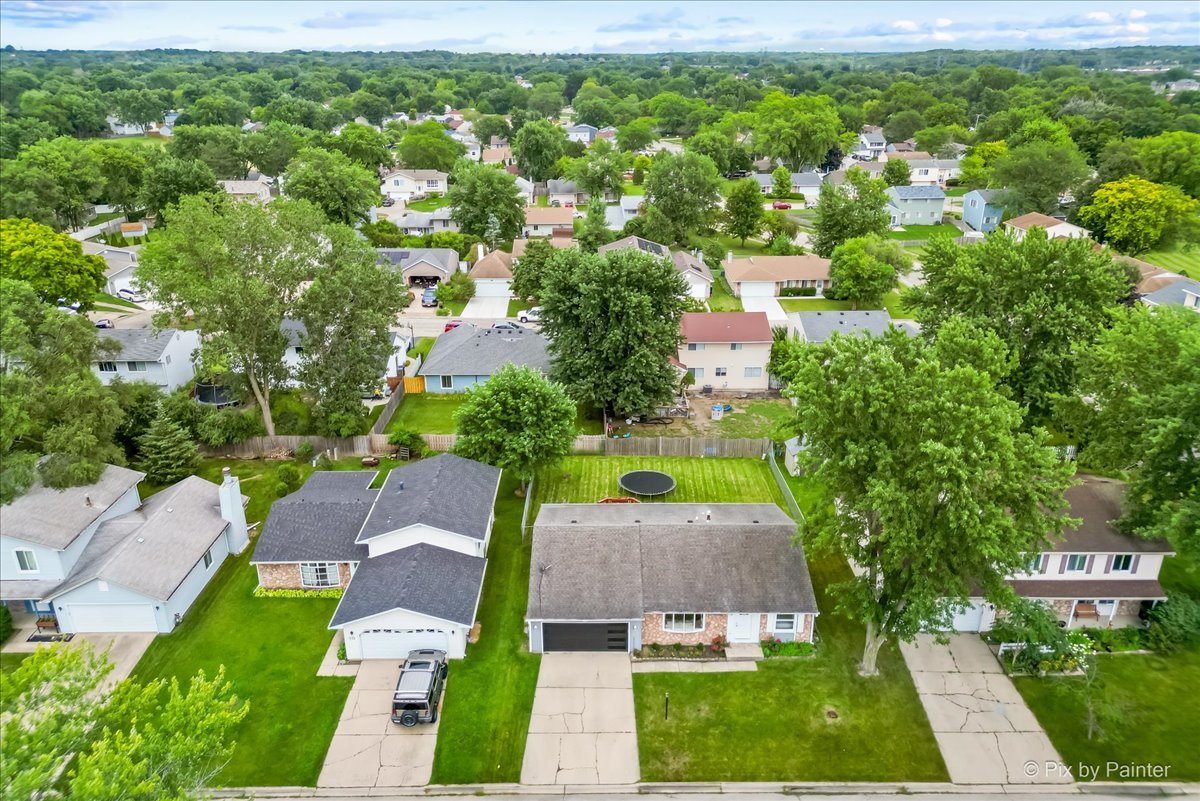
(450, 326)
(779, 204)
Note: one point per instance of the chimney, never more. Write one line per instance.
(479, 250)
(230, 494)
(729, 257)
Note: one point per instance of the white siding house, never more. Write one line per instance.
(163, 358)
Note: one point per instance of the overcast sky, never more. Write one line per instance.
(595, 26)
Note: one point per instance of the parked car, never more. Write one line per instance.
(779, 204)
(429, 296)
(62, 304)
(578, 215)
(450, 326)
(389, 201)
(131, 295)
(569, 204)
(556, 203)
(505, 325)
(530, 315)
(105, 323)
(419, 688)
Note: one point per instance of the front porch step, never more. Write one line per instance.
(743, 652)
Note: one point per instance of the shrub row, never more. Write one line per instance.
(265, 592)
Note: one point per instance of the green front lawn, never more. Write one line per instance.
(587, 479)
(957, 191)
(774, 724)
(915, 232)
(757, 418)
(489, 695)
(814, 304)
(633, 189)
(429, 204)
(1176, 259)
(429, 413)
(721, 299)
(753, 247)
(1154, 699)
(894, 306)
(515, 307)
(113, 300)
(10, 662)
(455, 307)
(422, 347)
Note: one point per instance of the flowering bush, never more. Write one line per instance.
(718, 644)
(331, 592)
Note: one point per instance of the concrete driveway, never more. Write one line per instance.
(775, 313)
(486, 308)
(582, 730)
(986, 733)
(368, 750)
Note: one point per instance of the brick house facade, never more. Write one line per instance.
(286, 576)
(715, 625)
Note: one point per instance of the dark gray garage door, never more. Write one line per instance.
(585, 636)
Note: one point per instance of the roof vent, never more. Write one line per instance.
(574, 521)
(141, 539)
(753, 521)
(169, 510)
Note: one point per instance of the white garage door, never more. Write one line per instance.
(112, 617)
(970, 619)
(395, 644)
(758, 289)
(492, 288)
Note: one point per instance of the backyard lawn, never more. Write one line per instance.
(429, 204)
(633, 189)
(422, 347)
(587, 479)
(1176, 259)
(721, 299)
(753, 247)
(894, 306)
(923, 231)
(775, 724)
(758, 418)
(427, 413)
(489, 695)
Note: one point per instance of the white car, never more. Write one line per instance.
(131, 295)
(530, 315)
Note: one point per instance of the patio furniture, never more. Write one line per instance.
(1087, 610)
(47, 623)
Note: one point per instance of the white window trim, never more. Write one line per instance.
(1128, 568)
(331, 574)
(795, 622)
(721, 372)
(208, 559)
(446, 382)
(32, 558)
(699, 622)
(1072, 556)
(107, 367)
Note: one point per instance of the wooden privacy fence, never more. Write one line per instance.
(414, 384)
(377, 444)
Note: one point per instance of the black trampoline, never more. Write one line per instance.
(646, 482)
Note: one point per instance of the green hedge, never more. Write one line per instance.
(798, 292)
(6, 624)
(331, 592)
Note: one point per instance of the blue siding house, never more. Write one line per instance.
(980, 210)
(466, 356)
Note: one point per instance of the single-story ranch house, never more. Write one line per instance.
(421, 265)
(768, 276)
(98, 559)
(465, 356)
(409, 555)
(617, 577)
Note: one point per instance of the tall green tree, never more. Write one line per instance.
(743, 213)
(56, 178)
(636, 134)
(426, 146)
(1171, 158)
(1037, 173)
(798, 129)
(487, 127)
(979, 165)
(56, 714)
(486, 203)
(345, 191)
(347, 313)
(221, 147)
(1043, 298)
(238, 269)
(1136, 411)
(517, 421)
(168, 453)
(781, 182)
(856, 208)
(613, 326)
(896, 172)
(856, 275)
(169, 180)
(271, 149)
(530, 269)
(684, 191)
(52, 264)
(363, 145)
(122, 173)
(600, 171)
(537, 147)
(1135, 215)
(939, 492)
(594, 232)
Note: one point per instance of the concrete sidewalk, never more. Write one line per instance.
(986, 733)
(582, 730)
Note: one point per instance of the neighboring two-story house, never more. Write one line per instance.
(980, 210)
(871, 145)
(582, 133)
(726, 350)
(163, 358)
(404, 185)
(915, 205)
(120, 265)
(410, 555)
(98, 559)
(1095, 575)
(933, 172)
(420, 223)
(693, 269)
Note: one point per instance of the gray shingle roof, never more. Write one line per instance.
(618, 561)
(561, 186)
(422, 578)
(54, 518)
(985, 194)
(638, 243)
(445, 491)
(874, 138)
(152, 550)
(798, 179)
(1173, 294)
(1097, 503)
(444, 259)
(467, 350)
(319, 522)
(819, 326)
(138, 344)
(917, 192)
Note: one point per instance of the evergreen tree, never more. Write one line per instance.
(168, 453)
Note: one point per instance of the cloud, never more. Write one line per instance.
(905, 25)
(671, 19)
(1100, 16)
(681, 43)
(42, 14)
(253, 28)
(365, 18)
(1137, 27)
(941, 36)
(152, 43)
(449, 43)
(1136, 13)
(733, 20)
(942, 22)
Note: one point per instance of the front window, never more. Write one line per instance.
(752, 372)
(1034, 565)
(1076, 563)
(1122, 563)
(721, 372)
(695, 346)
(136, 367)
(447, 382)
(683, 622)
(785, 622)
(735, 346)
(108, 367)
(26, 561)
(319, 574)
(208, 558)
(431, 183)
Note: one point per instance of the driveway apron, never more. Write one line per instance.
(487, 308)
(582, 730)
(986, 733)
(367, 749)
(775, 313)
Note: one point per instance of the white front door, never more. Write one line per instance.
(743, 627)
